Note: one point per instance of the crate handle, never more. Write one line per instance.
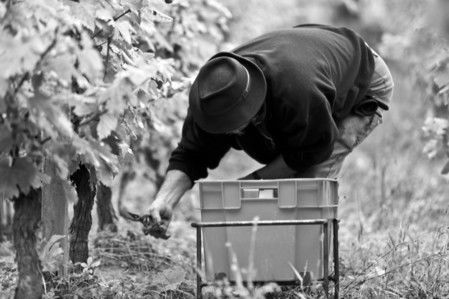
(259, 192)
(291, 206)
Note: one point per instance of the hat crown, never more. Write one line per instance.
(227, 93)
(222, 84)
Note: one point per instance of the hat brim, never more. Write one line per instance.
(239, 115)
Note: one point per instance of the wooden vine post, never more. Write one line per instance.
(55, 213)
(6, 212)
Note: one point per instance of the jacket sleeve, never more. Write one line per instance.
(307, 130)
(197, 151)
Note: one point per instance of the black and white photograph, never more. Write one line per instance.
(220, 149)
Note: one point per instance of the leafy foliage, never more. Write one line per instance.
(75, 72)
(81, 82)
(53, 86)
(19, 175)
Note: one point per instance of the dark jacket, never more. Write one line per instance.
(316, 76)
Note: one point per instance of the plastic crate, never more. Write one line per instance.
(276, 246)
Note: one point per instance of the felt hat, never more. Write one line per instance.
(227, 93)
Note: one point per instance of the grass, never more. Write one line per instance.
(400, 262)
(405, 266)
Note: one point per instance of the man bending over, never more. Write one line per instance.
(296, 100)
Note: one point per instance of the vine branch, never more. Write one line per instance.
(92, 118)
(107, 58)
(122, 14)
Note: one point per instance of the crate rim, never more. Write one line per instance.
(267, 180)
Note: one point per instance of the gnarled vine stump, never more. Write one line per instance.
(84, 181)
(27, 215)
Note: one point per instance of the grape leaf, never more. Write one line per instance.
(137, 75)
(63, 65)
(90, 62)
(162, 41)
(47, 9)
(84, 149)
(98, 155)
(106, 124)
(117, 94)
(62, 167)
(44, 124)
(19, 177)
(135, 5)
(18, 55)
(47, 112)
(125, 30)
(83, 11)
(147, 28)
(157, 16)
(83, 109)
(60, 121)
(126, 156)
(103, 14)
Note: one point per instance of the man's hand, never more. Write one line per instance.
(156, 223)
(176, 183)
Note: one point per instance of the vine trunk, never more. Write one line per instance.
(82, 219)
(27, 215)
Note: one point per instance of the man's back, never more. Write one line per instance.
(335, 60)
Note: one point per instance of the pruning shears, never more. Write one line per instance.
(150, 226)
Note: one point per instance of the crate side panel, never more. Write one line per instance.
(211, 195)
(214, 240)
(231, 195)
(273, 251)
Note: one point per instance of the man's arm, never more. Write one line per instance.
(176, 183)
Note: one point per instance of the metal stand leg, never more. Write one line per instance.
(326, 258)
(199, 245)
(336, 261)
